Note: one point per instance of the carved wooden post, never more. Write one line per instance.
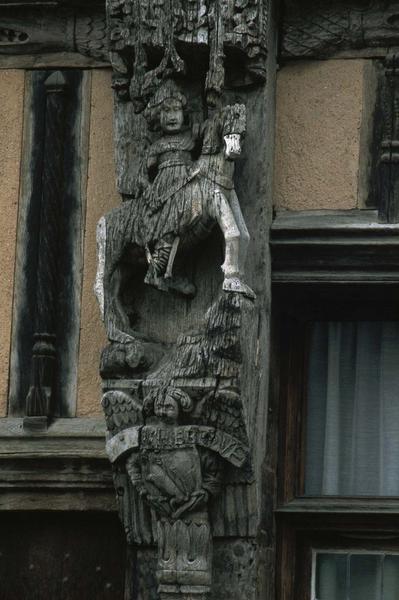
(39, 399)
(185, 374)
(389, 161)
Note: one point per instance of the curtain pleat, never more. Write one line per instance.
(353, 409)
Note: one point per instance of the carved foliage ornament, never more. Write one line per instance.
(149, 41)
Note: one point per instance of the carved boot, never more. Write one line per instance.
(234, 284)
(159, 272)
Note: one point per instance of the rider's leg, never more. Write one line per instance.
(231, 267)
(159, 272)
(226, 221)
(158, 261)
(161, 253)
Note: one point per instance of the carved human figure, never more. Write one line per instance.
(177, 478)
(165, 172)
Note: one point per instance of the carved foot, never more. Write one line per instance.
(234, 284)
(181, 285)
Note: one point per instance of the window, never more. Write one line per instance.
(357, 575)
(338, 498)
(352, 409)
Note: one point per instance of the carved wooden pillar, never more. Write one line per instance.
(185, 373)
(389, 160)
(39, 401)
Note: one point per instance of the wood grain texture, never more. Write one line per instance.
(63, 556)
(321, 30)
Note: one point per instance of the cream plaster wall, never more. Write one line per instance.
(322, 134)
(11, 123)
(101, 197)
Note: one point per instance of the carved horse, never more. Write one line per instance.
(213, 200)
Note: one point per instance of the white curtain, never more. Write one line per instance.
(352, 421)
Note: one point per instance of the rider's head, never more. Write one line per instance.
(165, 110)
(171, 115)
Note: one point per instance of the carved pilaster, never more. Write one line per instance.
(389, 158)
(39, 401)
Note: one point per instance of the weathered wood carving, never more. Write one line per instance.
(176, 416)
(151, 40)
(181, 330)
(53, 29)
(320, 29)
(388, 191)
(39, 401)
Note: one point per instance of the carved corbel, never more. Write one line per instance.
(174, 464)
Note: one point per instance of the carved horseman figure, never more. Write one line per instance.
(178, 201)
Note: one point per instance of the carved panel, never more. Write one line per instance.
(31, 30)
(322, 28)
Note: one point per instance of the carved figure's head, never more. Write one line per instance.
(167, 404)
(171, 116)
(166, 408)
(166, 109)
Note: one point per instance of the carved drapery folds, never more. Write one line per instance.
(177, 324)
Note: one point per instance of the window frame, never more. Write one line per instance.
(324, 520)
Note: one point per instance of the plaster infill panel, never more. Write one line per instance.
(320, 135)
(101, 197)
(11, 125)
